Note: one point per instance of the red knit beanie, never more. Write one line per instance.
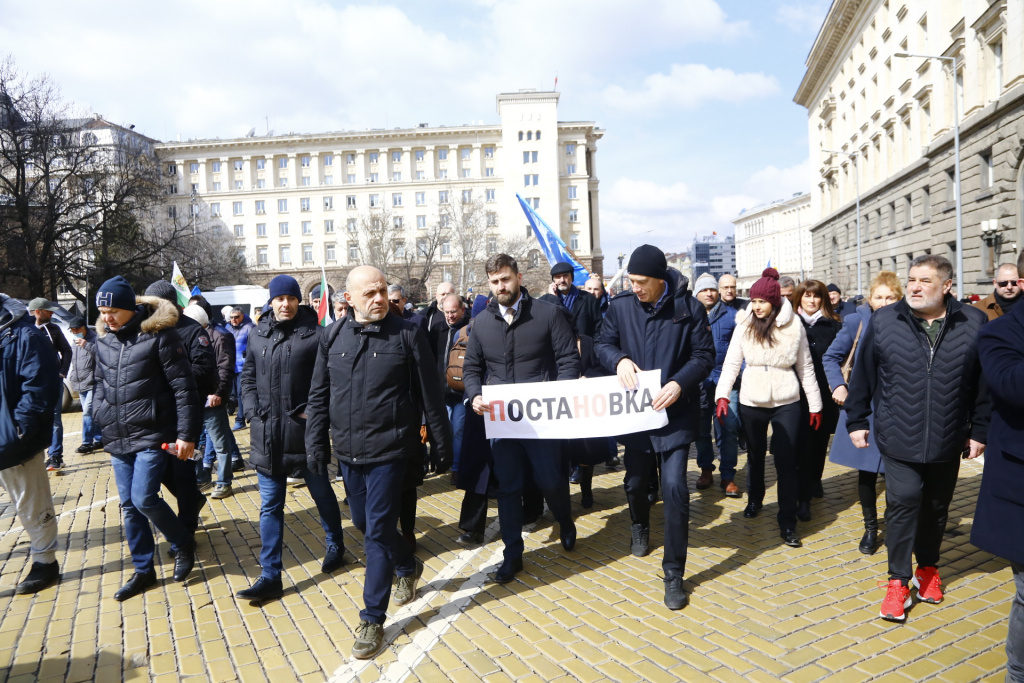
(767, 288)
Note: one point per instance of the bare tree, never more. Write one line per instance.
(473, 230)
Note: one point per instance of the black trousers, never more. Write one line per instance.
(640, 464)
(473, 515)
(811, 454)
(785, 424)
(917, 497)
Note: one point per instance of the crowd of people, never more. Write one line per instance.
(909, 382)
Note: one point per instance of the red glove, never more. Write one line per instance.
(816, 421)
(723, 408)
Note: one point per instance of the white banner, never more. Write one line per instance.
(573, 409)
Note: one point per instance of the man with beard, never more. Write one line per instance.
(583, 310)
(1006, 294)
(375, 433)
(520, 339)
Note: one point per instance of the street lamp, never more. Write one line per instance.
(856, 180)
(960, 278)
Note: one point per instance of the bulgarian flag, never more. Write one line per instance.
(322, 311)
(180, 286)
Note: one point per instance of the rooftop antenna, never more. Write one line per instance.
(267, 119)
(251, 133)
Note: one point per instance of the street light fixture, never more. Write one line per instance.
(856, 180)
(960, 278)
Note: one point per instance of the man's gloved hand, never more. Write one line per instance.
(316, 466)
(444, 461)
(722, 408)
(815, 421)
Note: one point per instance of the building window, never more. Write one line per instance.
(467, 153)
(305, 161)
(261, 183)
(282, 162)
(492, 219)
(351, 178)
(261, 229)
(216, 167)
(444, 220)
(353, 252)
(442, 154)
(570, 169)
(216, 186)
(421, 222)
(261, 164)
(328, 160)
(307, 227)
(350, 201)
(307, 253)
(465, 173)
(396, 199)
(574, 241)
(374, 156)
(215, 209)
(986, 170)
(193, 168)
(488, 152)
(195, 188)
(238, 184)
(520, 136)
(892, 217)
(489, 195)
(536, 203)
(488, 172)
(304, 204)
(951, 186)
(446, 247)
(492, 244)
(421, 246)
(574, 216)
(172, 169)
(329, 252)
(570, 149)
(328, 180)
(421, 198)
(419, 155)
(351, 224)
(172, 212)
(305, 181)
(282, 206)
(283, 182)
(442, 197)
(239, 231)
(572, 192)
(926, 204)
(442, 174)
(467, 196)
(328, 226)
(374, 177)
(396, 177)
(236, 208)
(397, 222)
(282, 229)
(172, 189)
(286, 254)
(238, 164)
(529, 135)
(261, 256)
(997, 69)
(328, 203)
(526, 157)
(420, 175)
(538, 135)
(908, 211)
(374, 201)
(396, 157)
(350, 159)
(400, 249)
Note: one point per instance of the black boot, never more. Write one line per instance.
(869, 542)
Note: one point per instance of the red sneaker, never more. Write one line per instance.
(928, 584)
(897, 600)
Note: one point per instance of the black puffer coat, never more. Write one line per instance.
(275, 388)
(200, 354)
(929, 400)
(820, 336)
(145, 392)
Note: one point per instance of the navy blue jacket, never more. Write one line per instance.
(722, 319)
(585, 312)
(676, 339)
(29, 379)
(999, 515)
(929, 400)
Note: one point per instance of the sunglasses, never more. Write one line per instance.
(395, 301)
(1006, 283)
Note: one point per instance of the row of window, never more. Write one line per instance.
(351, 202)
(352, 224)
(330, 251)
(307, 181)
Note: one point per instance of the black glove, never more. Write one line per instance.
(316, 466)
(444, 461)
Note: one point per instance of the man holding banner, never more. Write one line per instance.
(520, 339)
(660, 326)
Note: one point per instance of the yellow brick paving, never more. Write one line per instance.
(759, 611)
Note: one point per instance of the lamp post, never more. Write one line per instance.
(856, 180)
(960, 278)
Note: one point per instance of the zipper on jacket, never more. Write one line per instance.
(117, 394)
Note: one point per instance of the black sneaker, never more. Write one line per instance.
(84, 448)
(136, 585)
(237, 465)
(675, 596)
(39, 577)
(641, 540)
(264, 589)
(333, 559)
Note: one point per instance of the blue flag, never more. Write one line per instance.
(196, 291)
(552, 245)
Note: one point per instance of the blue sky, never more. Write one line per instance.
(695, 95)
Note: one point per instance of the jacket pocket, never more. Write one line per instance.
(257, 439)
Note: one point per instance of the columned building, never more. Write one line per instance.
(881, 129)
(778, 233)
(296, 203)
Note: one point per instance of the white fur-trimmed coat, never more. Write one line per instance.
(773, 375)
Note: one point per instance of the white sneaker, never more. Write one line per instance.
(295, 480)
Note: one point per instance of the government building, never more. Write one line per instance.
(882, 81)
(777, 232)
(298, 202)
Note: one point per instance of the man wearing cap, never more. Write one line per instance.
(145, 397)
(28, 390)
(583, 310)
(723, 321)
(842, 308)
(660, 326)
(276, 380)
(83, 366)
(43, 310)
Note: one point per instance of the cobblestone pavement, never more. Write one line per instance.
(759, 611)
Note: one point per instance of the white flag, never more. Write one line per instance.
(178, 280)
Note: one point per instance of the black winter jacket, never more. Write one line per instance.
(928, 401)
(224, 354)
(60, 345)
(145, 392)
(585, 312)
(675, 339)
(446, 340)
(539, 346)
(820, 336)
(276, 378)
(200, 354)
(372, 387)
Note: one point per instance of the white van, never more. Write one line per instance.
(247, 297)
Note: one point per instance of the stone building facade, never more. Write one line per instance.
(881, 125)
(778, 232)
(296, 203)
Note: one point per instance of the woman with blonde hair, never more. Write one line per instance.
(772, 343)
(885, 290)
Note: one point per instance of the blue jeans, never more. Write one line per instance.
(727, 437)
(240, 415)
(1015, 634)
(374, 492)
(138, 477)
(513, 458)
(90, 434)
(457, 416)
(219, 439)
(272, 494)
(675, 492)
(57, 444)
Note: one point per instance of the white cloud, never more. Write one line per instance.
(687, 86)
(803, 17)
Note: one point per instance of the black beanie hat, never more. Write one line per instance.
(561, 267)
(116, 293)
(649, 261)
(833, 287)
(164, 290)
(284, 285)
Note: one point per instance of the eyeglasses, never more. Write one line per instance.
(395, 301)
(1006, 283)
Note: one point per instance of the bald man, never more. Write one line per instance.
(375, 433)
(727, 288)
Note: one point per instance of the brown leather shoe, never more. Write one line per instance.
(705, 479)
(730, 489)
